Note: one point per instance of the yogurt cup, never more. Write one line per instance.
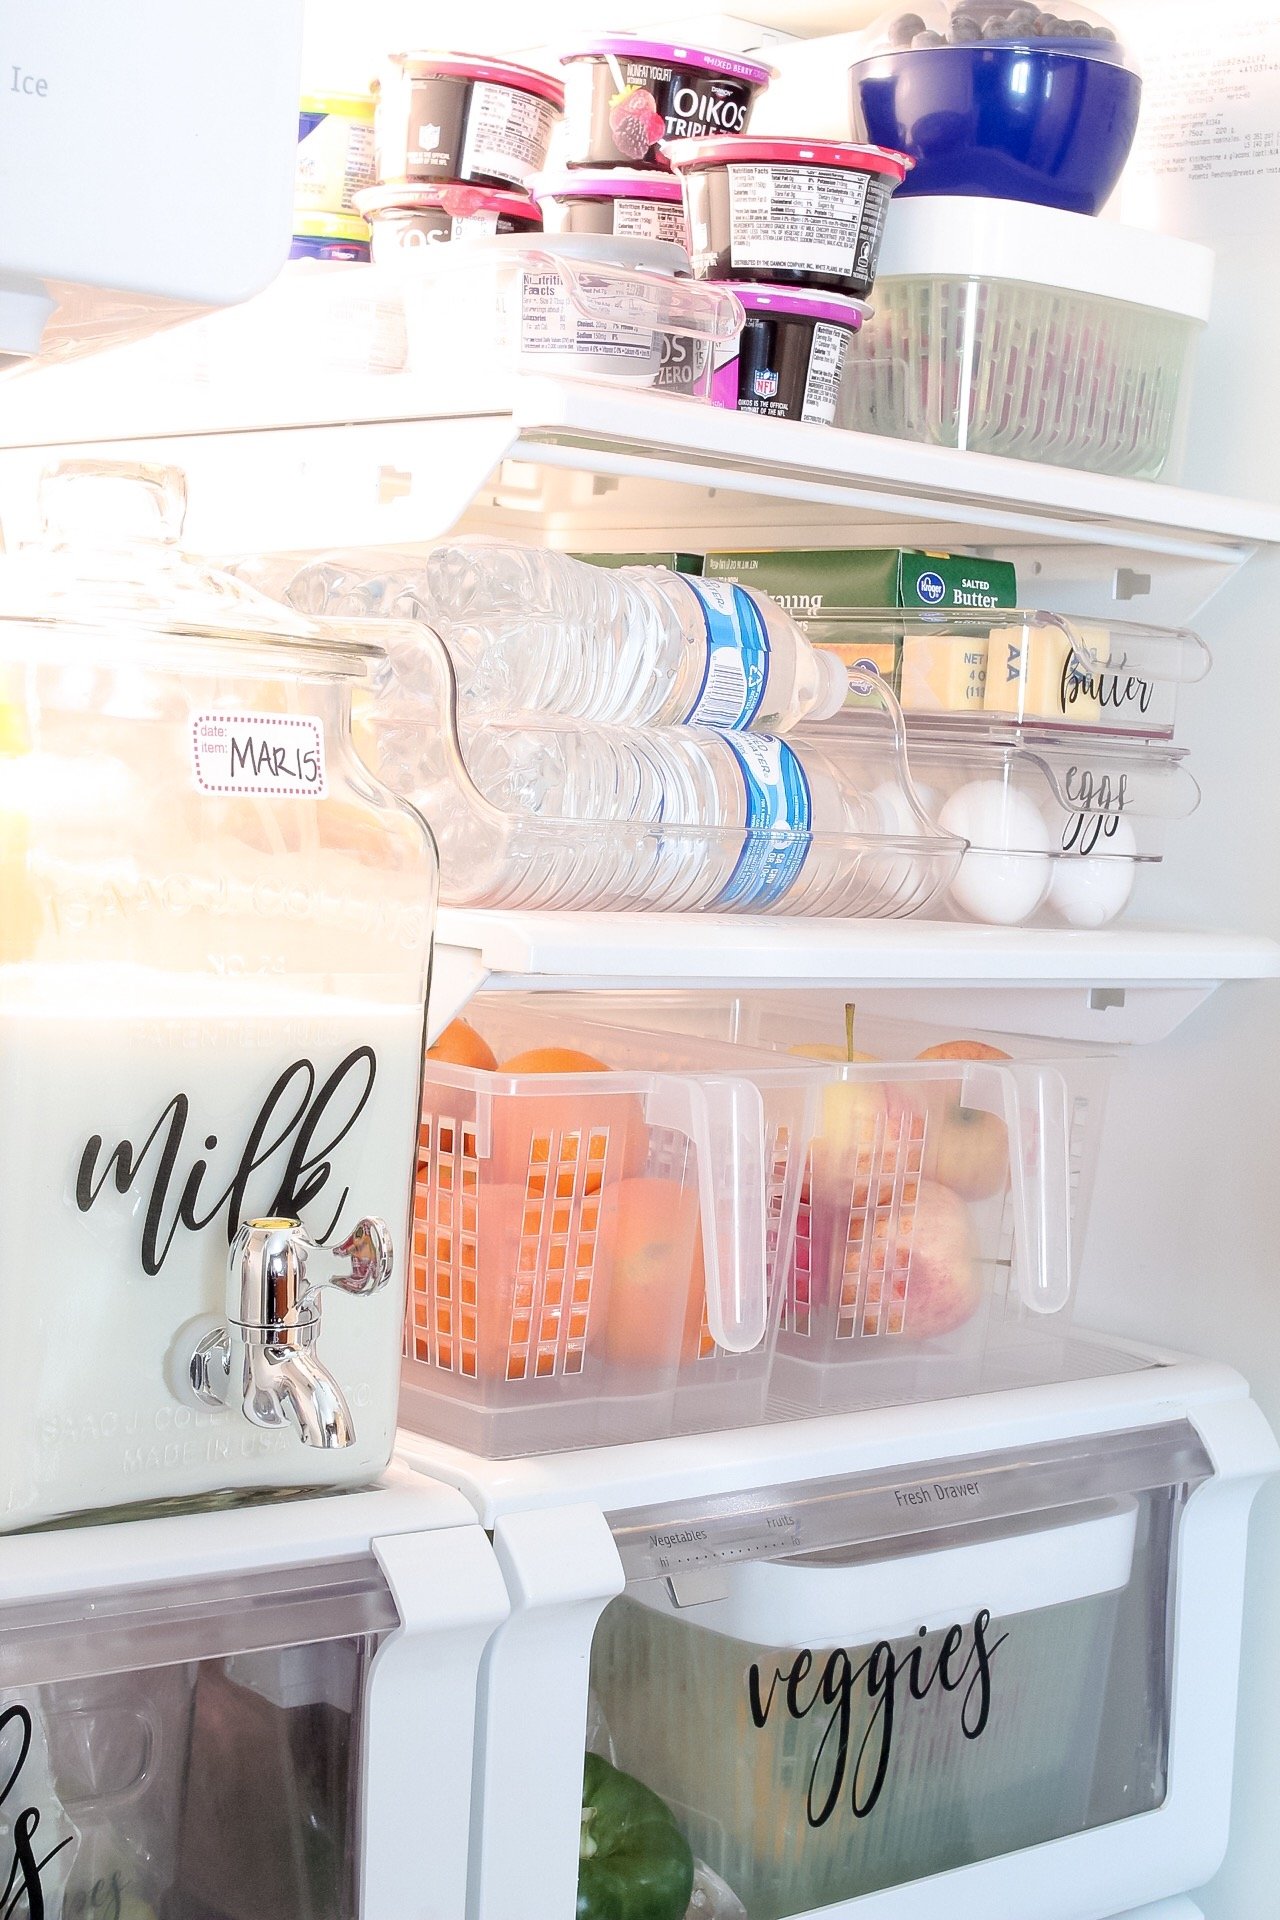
(329, 236)
(792, 354)
(613, 200)
(407, 217)
(455, 116)
(335, 151)
(799, 213)
(624, 96)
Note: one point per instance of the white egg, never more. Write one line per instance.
(1089, 889)
(1005, 874)
(905, 882)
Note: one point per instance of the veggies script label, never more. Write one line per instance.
(858, 1708)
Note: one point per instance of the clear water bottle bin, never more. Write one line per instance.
(998, 1657)
(247, 1714)
(213, 957)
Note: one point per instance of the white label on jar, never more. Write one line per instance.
(826, 370)
(507, 133)
(472, 226)
(549, 323)
(805, 218)
(279, 756)
(649, 220)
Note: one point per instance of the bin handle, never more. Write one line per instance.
(1040, 1175)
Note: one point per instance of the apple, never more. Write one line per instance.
(923, 1268)
(864, 1127)
(966, 1148)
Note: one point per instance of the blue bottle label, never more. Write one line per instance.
(737, 668)
(778, 822)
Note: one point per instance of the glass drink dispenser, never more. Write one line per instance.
(214, 949)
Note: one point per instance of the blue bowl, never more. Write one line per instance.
(1050, 126)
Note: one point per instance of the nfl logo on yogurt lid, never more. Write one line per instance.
(764, 385)
(429, 138)
(931, 587)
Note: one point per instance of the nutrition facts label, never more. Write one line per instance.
(801, 217)
(649, 219)
(826, 364)
(507, 133)
(550, 324)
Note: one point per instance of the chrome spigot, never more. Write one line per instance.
(265, 1355)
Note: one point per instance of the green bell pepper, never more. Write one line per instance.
(633, 1863)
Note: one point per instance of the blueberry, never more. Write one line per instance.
(1021, 21)
(1048, 27)
(904, 29)
(1076, 30)
(996, 29)
(963, 28)
(929, 39)
(1104, 33)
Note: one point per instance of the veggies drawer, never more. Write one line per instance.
(598, 1221)
(245, 1714)
(978, 1659)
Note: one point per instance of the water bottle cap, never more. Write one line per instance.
(834, 687)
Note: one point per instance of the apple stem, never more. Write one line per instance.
(850, 1013)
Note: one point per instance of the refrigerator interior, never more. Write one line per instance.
(1185, 1216)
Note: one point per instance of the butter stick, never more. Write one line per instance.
(1032, 673)
(943, 672)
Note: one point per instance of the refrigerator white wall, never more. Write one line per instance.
(1184, 1244)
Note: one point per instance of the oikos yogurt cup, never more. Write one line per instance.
(613, 200)
(405, 217)
(791, 357)
(802, 213)
(454, 116)
(624, 96)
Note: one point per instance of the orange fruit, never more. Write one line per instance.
(561, 1142)
(963, 1050)
(461, 1046)
(657, 1288)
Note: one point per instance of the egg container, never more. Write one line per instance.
(935, 1243)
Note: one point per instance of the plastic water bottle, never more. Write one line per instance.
(534, 631)
(678, 818)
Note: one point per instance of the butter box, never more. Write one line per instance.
(818, 584)
(678, 562)
(809, 581)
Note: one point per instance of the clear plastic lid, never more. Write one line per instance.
(108, 555)
(994, 23)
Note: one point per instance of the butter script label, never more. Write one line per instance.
(891, 1682)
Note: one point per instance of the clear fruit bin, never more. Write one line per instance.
(943, 1198)
(651, 806)
(599, 1226)
(1033, 333)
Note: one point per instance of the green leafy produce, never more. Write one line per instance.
(634, 1863)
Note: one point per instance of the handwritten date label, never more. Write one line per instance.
(277, 756)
